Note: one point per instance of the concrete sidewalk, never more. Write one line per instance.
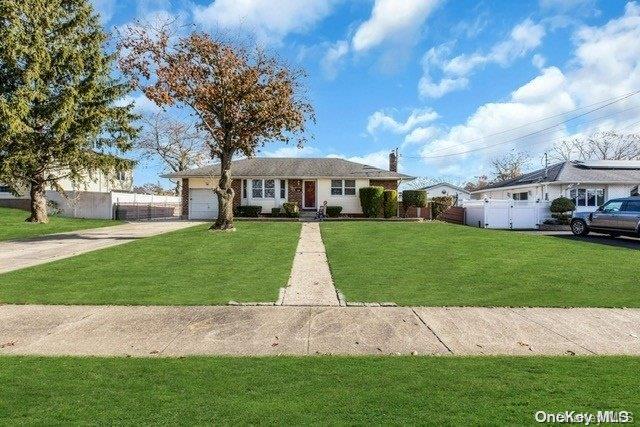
(184, 331)
(310, 282)
(15, 255)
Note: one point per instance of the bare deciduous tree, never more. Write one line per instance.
(481, 182)
(509, 166)
(178, 144)
(608, 145)
(242, 97)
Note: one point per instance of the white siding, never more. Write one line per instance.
(350, 204)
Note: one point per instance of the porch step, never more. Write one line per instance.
(307, 214)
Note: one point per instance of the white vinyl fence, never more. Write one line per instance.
(87, 204)
(505, 214)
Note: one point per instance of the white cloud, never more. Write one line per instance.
(269, 20)
(379, 159)
(420, 135)
(544, 86)
(605, 65)
(141, 104)
(333, 57)
(538, 60)
(380, 120)
(522, 39)
(428, 89)
(567, 5)
(392, 20)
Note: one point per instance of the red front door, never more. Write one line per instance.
(309, 194)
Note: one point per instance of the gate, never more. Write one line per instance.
(505, 214)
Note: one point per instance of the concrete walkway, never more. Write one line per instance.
(15, 255)
(310, 282)
(183, 331)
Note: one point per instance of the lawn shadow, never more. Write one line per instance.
(69, 236)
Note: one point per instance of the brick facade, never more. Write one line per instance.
(294, 194)
(388, 184)
(185, 198)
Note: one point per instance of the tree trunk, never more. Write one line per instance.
(38, 203)
(225, 195)
(178, 189)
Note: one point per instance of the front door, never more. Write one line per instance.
(309, 194)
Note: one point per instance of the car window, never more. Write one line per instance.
(612, 206)
(632, 206)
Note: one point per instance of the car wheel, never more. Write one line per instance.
(579, 228)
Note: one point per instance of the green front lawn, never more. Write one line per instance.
(302, 391)
(187, 267)
(13, 225)
(437, 264)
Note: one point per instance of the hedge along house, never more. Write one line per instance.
(271, 181)
(589, 184)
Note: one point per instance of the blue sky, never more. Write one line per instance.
(452, 84)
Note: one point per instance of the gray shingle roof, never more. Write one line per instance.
(292, 167)
(610, 172)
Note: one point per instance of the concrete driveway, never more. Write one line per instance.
(601, 239)
(15, 255)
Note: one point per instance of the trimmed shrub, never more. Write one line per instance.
(276, 211)
(439, 205)
(413, 198)
(390, 203)
(371, 201)
(334, 211)
(291, 210)
(249, 211)
(562, 205)
(560, 209)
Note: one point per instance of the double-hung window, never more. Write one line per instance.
(269, 189)
(283, 189)
(587, 196)
(263, 188)
(343, 187)
(256, 188)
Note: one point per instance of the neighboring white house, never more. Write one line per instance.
(442, 189)
(270, 182)
(588, 183)
(95, 197)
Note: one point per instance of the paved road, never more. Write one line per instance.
(182, 331)
(15, 255)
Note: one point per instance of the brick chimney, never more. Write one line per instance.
(393, 161)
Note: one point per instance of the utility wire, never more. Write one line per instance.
(531, 133)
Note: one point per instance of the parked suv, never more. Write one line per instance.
(616, 217)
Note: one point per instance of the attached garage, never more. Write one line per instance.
(203, 203)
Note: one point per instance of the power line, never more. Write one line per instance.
(628, 94)
(531, 133)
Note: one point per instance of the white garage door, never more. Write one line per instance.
(203, 204)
